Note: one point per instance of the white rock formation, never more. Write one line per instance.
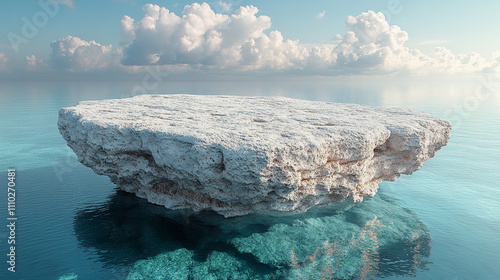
(237, 155)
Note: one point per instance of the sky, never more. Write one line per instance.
(113, 38)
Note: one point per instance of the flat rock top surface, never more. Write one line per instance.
(239, 122)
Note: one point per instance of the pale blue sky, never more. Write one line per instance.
(459, 26)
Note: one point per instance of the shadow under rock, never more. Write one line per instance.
(126, 228)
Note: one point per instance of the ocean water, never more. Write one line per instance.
(443, 222)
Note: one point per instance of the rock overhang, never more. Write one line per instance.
(237, 155)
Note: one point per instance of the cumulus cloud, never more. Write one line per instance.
(224, 6)
(446, 61)
(371, 44)
(31, 60)
(201, 38)
(31, 63)
(494, 67)
(77, 55)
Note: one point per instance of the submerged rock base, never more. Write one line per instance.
(376, 238)
(238, 155)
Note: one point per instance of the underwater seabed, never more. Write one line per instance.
(376, 238)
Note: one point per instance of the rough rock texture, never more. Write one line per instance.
(238, 155)
(182, 265)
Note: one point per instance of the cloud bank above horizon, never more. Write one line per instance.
(202, 39)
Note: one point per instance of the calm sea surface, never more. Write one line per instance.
(443, 222)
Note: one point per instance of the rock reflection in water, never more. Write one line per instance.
(377, 238)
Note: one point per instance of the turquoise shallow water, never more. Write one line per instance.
(440, 223)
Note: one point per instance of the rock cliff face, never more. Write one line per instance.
(236, 155)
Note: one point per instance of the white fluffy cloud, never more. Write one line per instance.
(224, 6)
(74, 54)
(203, 38)
(446, 61)
(494, 67)
(32, 63)
(200, 38)
(372, 45)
